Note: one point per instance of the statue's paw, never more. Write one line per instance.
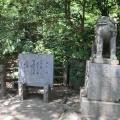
(113, 57)
(94, 56)
(99, 57)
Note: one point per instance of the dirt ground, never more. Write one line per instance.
(64, 105)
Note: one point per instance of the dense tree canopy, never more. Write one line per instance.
(61, 27)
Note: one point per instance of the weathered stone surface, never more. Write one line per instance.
(46, 95)
(86, 77)
(112, 62)
(105, 39)
(98, 110)
(105, 61)
(97, 60)
(36, 69)
(82, 94)
(104, 82)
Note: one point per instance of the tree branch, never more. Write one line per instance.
(67, 15)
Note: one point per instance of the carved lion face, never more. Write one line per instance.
(105, 20)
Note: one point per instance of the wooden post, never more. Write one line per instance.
(2, 80)
(65, 74)
(47, 91)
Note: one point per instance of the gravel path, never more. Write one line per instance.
(35, 109)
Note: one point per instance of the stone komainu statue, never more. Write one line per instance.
(105, 39)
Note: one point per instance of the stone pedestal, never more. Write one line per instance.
(99, 110)
(104, 82)
(104, 61)
(100, 98)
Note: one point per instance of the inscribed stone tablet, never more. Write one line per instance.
(36, 69)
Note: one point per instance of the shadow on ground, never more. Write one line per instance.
(34, 108)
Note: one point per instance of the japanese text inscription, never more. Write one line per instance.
(36, 69)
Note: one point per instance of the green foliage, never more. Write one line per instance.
(41, 26)
(77, 74)
(63, 28)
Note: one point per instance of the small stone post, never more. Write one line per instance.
(46, 95)
(23, 91)
(2, 80)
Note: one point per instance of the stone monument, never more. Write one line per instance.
(100, 97)
(35, 70)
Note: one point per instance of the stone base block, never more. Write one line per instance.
(98, 110)
(104, 61)
(82, 94)
(98, 60)
(103, 82)
(112, 62)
